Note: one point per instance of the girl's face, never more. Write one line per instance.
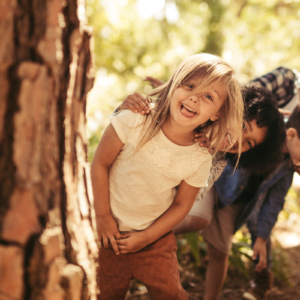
(252, 136)
(189, 109)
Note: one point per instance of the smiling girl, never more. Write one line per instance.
(141, 159)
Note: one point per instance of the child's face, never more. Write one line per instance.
(252, 136)
(293, 145)
(191, 110)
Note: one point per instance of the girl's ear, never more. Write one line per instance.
(215, 117)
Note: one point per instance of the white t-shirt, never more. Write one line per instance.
(142, 183)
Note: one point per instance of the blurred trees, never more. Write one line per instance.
(136, 38)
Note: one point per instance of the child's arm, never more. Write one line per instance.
(154, 82)
(136, 103)
(106, 152)
(180, 207)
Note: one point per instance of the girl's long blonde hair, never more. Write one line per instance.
(210, 69)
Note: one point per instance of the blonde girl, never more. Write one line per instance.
(141, 159)
(211, 69)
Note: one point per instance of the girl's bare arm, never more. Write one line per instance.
(106, 152)
(180, 207)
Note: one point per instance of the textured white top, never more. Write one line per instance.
(142, 183)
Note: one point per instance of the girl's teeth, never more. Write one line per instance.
(190, 110)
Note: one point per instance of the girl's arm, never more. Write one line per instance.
(184, 199)
(109, 147)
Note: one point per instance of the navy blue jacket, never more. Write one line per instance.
(267, 202)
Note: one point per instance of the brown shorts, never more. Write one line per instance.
(156, 266)
(220, 231)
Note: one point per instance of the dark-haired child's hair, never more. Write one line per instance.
(294, 120)
(261, 105)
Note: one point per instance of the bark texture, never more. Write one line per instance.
(48, 248)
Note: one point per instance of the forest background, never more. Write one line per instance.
(138, 38)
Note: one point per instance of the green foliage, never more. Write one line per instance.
(194, 245)
(191, 253)
(239, 258)
(197, 246)
(262, 35)
(280, 266)
(292, 204)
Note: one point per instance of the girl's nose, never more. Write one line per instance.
(194, 98)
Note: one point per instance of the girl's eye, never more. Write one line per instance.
(189, 85)
(209, 97)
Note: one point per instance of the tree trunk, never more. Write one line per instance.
(48, 247)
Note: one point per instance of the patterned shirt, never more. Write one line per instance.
(282, 82)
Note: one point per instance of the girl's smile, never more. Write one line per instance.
(187, 111)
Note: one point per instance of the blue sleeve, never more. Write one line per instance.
(230, 185)
(272, 206)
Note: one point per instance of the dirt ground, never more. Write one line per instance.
(236, 284)
(287, 232)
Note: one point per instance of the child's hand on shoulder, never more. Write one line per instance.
(108, 232)
(132, 242)
(136, 103)
(203, 141)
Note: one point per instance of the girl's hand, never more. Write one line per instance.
(132, 242)
(136, 103)
(153, 81)
(108, 232)
(203, 141)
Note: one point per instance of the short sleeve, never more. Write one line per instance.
(124, 122)
(200, 176)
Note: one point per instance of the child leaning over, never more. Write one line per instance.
(141, 159)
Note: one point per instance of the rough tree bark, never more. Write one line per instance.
(48, 247)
